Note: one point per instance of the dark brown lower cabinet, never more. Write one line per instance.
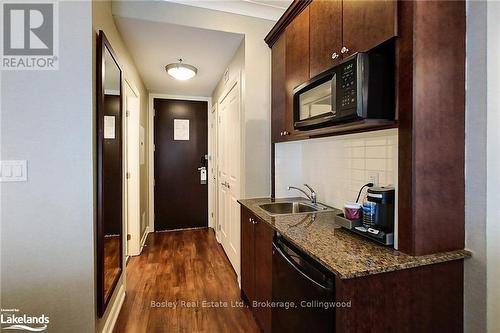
(422, 299)
(247, 255)
(256, 266)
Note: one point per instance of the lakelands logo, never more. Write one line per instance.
(30, 36)
(12, 319)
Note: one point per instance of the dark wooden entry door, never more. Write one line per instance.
(181, 201)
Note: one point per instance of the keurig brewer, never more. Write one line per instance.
(378, 215)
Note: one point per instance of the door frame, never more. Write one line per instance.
(213, 139)
(135, 231)
(233, 81)
(151, 150)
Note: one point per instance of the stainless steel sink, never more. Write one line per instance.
(279, 208)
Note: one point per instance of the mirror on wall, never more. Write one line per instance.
(109, 173)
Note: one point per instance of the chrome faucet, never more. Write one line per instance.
(311, 197)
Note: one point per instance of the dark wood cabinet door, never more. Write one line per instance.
(325, 35)
(278, 90)
(367, 24)
(263, 273)
(297, 61)
(247, 255)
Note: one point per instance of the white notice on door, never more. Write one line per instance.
(181, 129)
(109, 127)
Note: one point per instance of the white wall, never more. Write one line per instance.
(482, 271)
(475, 170)
(337, 167)
(493, 217)
(47, 230)
(102, 19)
(257, 83)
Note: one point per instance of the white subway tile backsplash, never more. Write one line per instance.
(358, 175)
(390, 180)
(337, 167)
(356, 143)
(376, 152)
(357, 152)
(392, 140)
(358, 163)
(378, 141)
(390, 165)
(376, 164)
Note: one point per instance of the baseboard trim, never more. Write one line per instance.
(109, 325)
(145, 237)
(183, 229)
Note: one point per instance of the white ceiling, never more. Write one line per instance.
(154, 45)
(265, 9)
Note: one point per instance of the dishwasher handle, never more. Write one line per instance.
(294, 265)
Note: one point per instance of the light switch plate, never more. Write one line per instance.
(13, 171)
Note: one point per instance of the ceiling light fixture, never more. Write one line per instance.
(181, 71)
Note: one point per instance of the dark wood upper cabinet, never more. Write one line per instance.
(278, 90)
(311, 37)
(247, 255)
(297, 61)
(430, 103)
(367, 24)
(325, 35)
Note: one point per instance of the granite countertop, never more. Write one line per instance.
(344, 253)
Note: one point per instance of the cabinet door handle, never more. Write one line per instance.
(281, 133)
(335, 55)
(344, 50)
(254, 222)
(250, 220)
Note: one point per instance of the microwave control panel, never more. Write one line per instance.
(348, 85)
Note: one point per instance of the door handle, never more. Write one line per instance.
(203, 175)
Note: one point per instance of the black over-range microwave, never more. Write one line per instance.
(361, 87)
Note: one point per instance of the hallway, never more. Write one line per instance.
(181, 266)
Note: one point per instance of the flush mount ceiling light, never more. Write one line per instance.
(180, 71)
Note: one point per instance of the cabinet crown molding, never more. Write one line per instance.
(295, 9)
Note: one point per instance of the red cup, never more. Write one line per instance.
(353, 211)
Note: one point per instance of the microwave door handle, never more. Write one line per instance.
(333, 88)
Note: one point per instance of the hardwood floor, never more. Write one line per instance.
(183, 266)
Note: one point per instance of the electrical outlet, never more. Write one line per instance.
(373, 177)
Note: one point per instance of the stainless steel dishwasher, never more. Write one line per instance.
(300, 280)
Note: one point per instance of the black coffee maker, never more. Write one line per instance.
(378, 215)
